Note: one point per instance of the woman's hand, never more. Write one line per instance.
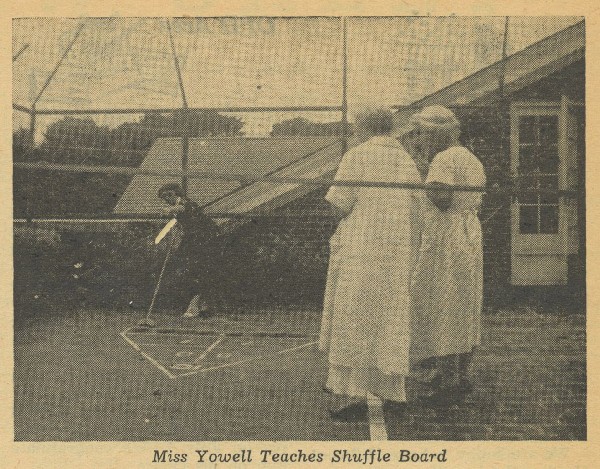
(442, 199)
(173, 210)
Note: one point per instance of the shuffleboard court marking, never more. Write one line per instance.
(195, 332)
(247, 360)
(377, 427)
(145, 355)
(182, 366)
(197, 367)
(203, 355)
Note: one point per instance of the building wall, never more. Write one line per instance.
(486, 131)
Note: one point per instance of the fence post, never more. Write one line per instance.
(344, 87)
(185, 115)
(31, 142)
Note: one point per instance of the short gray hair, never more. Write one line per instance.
(375, 121)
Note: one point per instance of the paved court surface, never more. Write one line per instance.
(93, 376)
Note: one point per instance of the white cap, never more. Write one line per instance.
(435, 117)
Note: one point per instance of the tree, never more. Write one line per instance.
(299, 126)
(131, 140)
(197, 124)
(83, 141)
(21, 144)
(78, 141)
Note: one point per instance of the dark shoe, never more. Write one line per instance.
(206, 313)
(444, 397)
(351, 413)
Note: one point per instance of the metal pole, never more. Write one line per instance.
(169, 110)
(245, 179)
(32, 129)
(344, 87)
(502, 77)
(30, 148)
(581, 200)
(18, 107)
(21, 50)
(185, 148)
(186, 116)
(503, 101)
(177, 69)
(505, 140)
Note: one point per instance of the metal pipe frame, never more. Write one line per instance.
(21, 50)
(344, 86)
(157, 218)
(317, 182)
(18, 107)
(233, 109)
(502, 77)
(185, 142)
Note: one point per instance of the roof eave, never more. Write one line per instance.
(522, 68)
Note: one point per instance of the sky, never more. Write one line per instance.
(128, 62)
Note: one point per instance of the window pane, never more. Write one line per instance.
(549, 183)
(549, 219)
(527, 129)
(527, 159)
(548, 159)
(528, 183)
(528, 219)
(548, 130)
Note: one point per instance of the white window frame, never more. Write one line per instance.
(537, 243)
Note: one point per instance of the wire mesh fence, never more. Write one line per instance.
(251, 117)
(79, 179)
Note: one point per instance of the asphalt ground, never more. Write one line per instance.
(94, 375)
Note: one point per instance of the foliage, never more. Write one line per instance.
(299, 126)
(21, 139)
(83, 141)
(67, 270)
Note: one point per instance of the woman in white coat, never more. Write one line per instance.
(366, 317)
(448, 279)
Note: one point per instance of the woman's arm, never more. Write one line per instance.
(342, 198)
(442, 199)
(441, 174)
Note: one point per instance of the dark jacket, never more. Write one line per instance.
(198, 229)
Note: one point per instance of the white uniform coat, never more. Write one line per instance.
(366, 317)
(448, 280)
